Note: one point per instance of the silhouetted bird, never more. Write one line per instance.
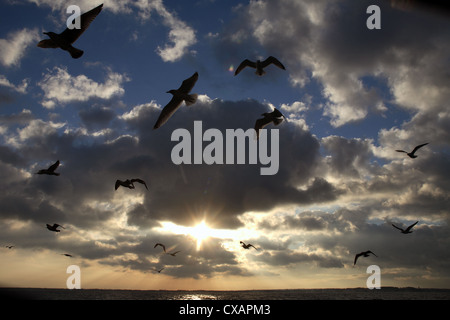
(9, 247)
(129, 183)
(412, 153)
(180, 95)
(54, 227)
(65, 39)
(275, 116)
(160, 244)
(50, 170)
(259, 65)
(159, 271)
(407, 230)
(173, 253)
(247, 246)
(67, 255)
(364, 254)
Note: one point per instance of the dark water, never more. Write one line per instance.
(388, 293)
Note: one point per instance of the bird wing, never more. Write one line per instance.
(418, 147)
(401, 151)
(71, 35)
(188, 84)
(278, 114)
(58, 225)
(372, 253)
(160, 244)
(168, 111)
(397, 227)
(118, 184)
(410, 227)
(250, 245)
(140, 181)
(245, 63)
(261, 123)
(53, 166)
(356, 257)
(47, 43)
(272, 60)
(174, 253)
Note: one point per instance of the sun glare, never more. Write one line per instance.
(200, 232)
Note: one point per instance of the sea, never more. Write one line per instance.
(384, 293)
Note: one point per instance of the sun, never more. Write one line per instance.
(200, 232)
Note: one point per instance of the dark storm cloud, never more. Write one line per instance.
(96, 116)
(226, 191)
(83, 198)
(288, 257)
(348, 156)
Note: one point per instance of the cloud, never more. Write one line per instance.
(347, 61)
(181, 36)
(22, 88)
(61, 88)
(13, 48)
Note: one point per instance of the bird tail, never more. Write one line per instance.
(75, 53)
(191, 99)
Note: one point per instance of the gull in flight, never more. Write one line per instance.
(179, 95)
(275, 116)
(407, 230)
(50, 170)
(65, 39)
(412, 153)
(259, 65)
(129, 183)
(160, 244)
(173, 253)
(364, 254)
(54, 227)
(159, 271)
(247, 246)
(9, 247)
(67, 255)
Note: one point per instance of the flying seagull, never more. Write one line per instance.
(275, 116)
(65, 39)
(247, 246)
(54, 227)
(179, 95)
(9, 247)
(67, 255)
(259, 65)
(50, 170)
(129, 183)
(159, 271)
(412, 153)
(173, 253)
(407, 230)
(364, 254)
(160, 244)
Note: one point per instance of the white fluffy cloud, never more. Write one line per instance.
(60, 87)
(21, 88)
(13, 48)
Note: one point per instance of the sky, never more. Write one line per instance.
(351, 96)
